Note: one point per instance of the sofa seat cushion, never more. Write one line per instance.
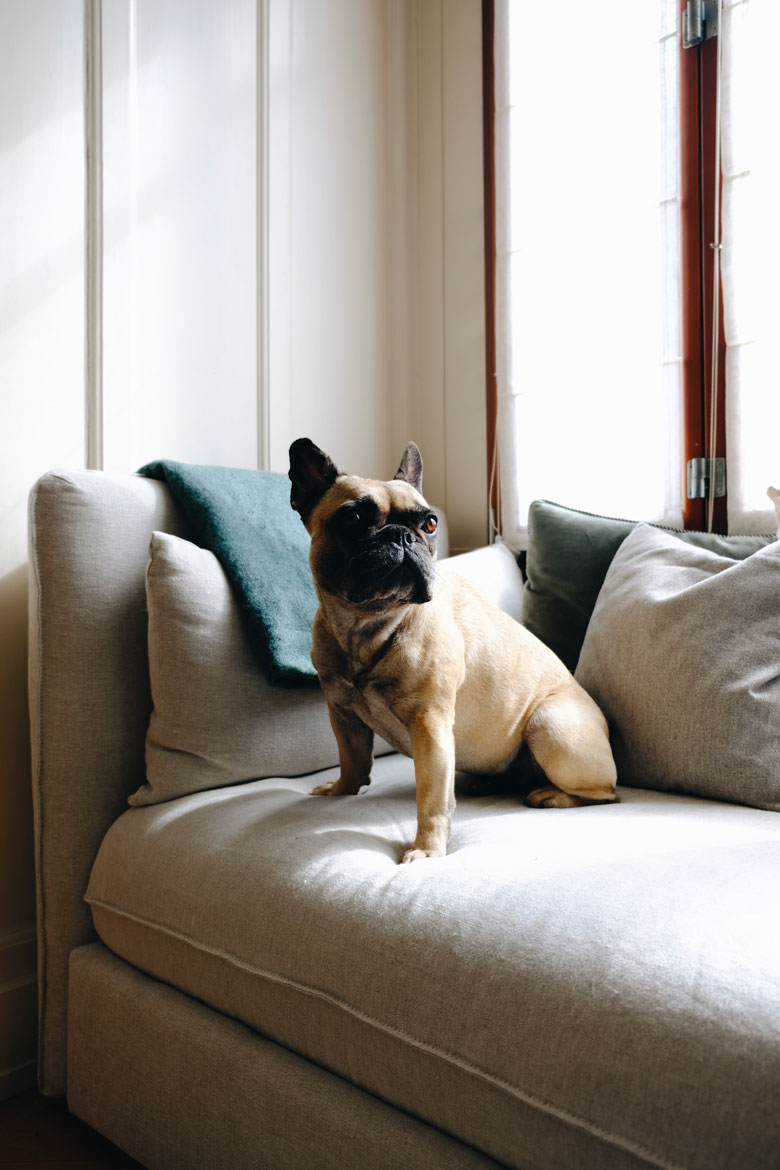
(586, 987)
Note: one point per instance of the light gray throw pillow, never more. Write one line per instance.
(682, 653)
(216, 720)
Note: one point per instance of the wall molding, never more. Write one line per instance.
(93, 163)
(263, 235)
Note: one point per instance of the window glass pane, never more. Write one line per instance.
(751, 294)
(594, 365)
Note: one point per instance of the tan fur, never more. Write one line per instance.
(454, 682)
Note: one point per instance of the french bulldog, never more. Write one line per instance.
(426, 660)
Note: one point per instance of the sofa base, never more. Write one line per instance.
(177, 1085)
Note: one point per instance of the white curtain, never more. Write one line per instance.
(588, 332)
(751, 293)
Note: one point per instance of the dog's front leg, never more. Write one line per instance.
(356, 753)
(433, 749)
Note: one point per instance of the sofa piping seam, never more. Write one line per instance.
(626, 1144)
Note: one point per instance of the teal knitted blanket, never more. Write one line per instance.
(245, 519)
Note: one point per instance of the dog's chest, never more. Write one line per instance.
(372, 700)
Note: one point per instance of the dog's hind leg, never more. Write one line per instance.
(568, 737)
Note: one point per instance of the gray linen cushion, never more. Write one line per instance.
(682, 653)
(216, 720)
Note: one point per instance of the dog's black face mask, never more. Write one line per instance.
(376, 548)
(388, 560)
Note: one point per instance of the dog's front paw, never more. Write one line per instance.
(340, 787)
(333, 788)
(325, 789)
(414, 854)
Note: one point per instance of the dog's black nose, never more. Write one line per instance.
(408, 537)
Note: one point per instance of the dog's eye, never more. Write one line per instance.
(430, 524)
(355, 518)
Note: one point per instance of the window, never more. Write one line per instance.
(595, 256)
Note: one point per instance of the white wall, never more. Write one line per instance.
(446, 268)
(41, 419)
(330, 292)
(376, 307)
(179, 309)
(292, 229)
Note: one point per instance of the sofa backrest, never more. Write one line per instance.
(89, 701)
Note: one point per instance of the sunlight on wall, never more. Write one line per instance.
(179, 202)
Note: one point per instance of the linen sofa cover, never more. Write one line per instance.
(89, 702)
(182, 1087)
(578, 988)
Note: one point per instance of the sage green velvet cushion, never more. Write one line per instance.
(569, 553)
(682, 654)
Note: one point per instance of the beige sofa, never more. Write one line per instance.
(253, 980)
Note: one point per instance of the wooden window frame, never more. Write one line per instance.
(489, 165)
(698, 76)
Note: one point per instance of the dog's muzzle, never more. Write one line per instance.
(393, 565)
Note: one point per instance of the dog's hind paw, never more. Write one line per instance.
(551, 797)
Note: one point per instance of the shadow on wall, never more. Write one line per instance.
(17, 878)
(18, 998)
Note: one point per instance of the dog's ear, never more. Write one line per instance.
(411, 466)
(311, 473)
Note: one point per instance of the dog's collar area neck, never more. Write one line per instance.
(359, 632)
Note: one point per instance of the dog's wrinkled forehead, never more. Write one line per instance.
(391, 497)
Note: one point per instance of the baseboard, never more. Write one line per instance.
(18, 1080)
(18, 1011)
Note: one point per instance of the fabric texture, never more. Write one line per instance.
(683, 655)
(244, 517)
(89, 701)
(216, 1095)
(571, 988)
(216, 720)
(569, 553)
